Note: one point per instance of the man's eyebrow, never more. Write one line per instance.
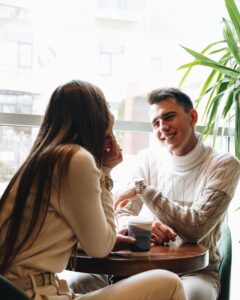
(169, 113)
(164, 115)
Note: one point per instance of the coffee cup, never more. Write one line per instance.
(140, 229)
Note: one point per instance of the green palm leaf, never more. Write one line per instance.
(213, 90)
(237, 125)
(220, 91)
(209, 101)
(195, 62)
(229, 37)
(207, 83)
(234, 15)
(205, 61)
(228, 104)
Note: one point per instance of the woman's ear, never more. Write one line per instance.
(194, 116)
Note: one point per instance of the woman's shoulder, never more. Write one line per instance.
(78, 168)
(82, 161)
(83, 156)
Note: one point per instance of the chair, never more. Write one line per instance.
(9, 291)
(225, 249)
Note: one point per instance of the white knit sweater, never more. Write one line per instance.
(189, 193)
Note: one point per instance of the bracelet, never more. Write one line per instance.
(139, 183)
(107, 181)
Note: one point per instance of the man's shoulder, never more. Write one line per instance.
(224, 158)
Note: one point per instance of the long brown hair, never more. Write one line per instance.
(77, 115)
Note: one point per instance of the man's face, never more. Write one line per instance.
(173, 126)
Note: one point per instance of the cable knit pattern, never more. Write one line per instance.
(190, 193)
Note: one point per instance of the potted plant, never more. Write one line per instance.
(221, 89)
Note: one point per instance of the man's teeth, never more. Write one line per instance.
(169, 136)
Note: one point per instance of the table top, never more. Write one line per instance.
(178, 259)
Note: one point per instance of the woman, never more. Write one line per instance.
(61, 196)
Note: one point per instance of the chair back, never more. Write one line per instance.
(9, 291)
(225, 250)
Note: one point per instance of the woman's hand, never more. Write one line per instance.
(161, 233)
(123, 197)
(112, 153)
(123, 240)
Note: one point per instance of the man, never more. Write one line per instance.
(187, 186)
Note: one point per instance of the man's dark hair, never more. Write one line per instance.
(164, 93)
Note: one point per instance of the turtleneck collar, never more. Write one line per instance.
(191, 159)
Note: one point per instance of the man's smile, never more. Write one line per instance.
(168, 137)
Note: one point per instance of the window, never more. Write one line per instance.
(16, 54)
(25, 53)
(125, 47)
(10, 54)
(14, 103)
(110, 59)
(155, 64)
(105, 64)
(124, 56)
(117, 4)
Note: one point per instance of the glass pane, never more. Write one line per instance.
(25, 55)
(126, 47)
(15, 144)
(131, 143)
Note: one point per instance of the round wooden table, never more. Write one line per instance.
(178, 259)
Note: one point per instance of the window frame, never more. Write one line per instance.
(33, 120)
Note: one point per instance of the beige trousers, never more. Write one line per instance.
(150, 285)
(200, 285)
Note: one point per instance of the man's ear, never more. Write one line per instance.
(194, 116)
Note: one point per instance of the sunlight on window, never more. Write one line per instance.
(126, 47)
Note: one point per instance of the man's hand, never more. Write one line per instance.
(161, 233)
(123, 197)
(123, 241)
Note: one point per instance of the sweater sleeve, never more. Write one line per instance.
(195, 222)
(133, 208)
(87, 206)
